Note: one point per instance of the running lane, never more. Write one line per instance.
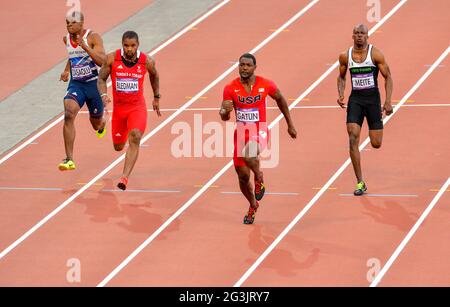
(96, 211)
(342, 239)
(215, 247)
(423, 261)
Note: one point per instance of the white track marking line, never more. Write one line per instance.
(163, 227)
(30, 189)
(410, 234)
(212, 180)
(61, 117)
(383, 195)
(337, 174)
(226, 167)
(266, 193)
(298, 107)
(140, 191)
(149, 135)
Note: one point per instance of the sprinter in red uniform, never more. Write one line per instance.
(248, 96)
(127, 67)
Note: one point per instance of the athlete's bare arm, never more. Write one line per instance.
(103, 75)
(343, 63)
(382, 65)
(282, 105)
(225, 109)
(154, 81)
(94, 47)
(65, 75)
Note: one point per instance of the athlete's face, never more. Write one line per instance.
(130, 47)
(246, 68)
(360, 36)
(74, 25)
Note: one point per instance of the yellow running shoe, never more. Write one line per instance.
(100, 134)
(66, 165)
(361, 188)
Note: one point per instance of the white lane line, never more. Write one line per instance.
(213, 179)
(423, 105)
(163, 226)
(60, 118)
(140, 191)
(428, 105)
(266, 193)
(410, 234)
(149, 135)
(339, 171)
(384, 195)
(31, 189)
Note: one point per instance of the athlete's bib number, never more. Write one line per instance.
(127, 85)
(247, 115)
(362, 82)
(80, 72)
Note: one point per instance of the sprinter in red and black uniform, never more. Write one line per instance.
(127, 67)
(248, 96)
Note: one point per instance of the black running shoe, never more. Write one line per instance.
(250, 217)
(259, 189)
(122, 183)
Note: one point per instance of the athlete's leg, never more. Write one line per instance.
(98, 123)
(95, 105)
(134, 121)
(71, 108)
(376, 137)
(243, 173)
(134, 140)
(375, 122)
(119, 129)
(251, 157)
(119, 147)
(119, 144)
(354, 131)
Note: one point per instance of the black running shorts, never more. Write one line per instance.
(369, 107)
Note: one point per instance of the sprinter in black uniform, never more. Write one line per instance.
(364, 62)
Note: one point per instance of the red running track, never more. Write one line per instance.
(207, 244)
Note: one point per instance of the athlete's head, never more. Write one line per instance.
(247, 65)
(130, 44)
(74, 22)
(360, 35)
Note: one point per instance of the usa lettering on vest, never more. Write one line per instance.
(249, 99)
(127, 85)
(247, 115)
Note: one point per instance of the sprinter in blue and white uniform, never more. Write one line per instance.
(86, 55)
